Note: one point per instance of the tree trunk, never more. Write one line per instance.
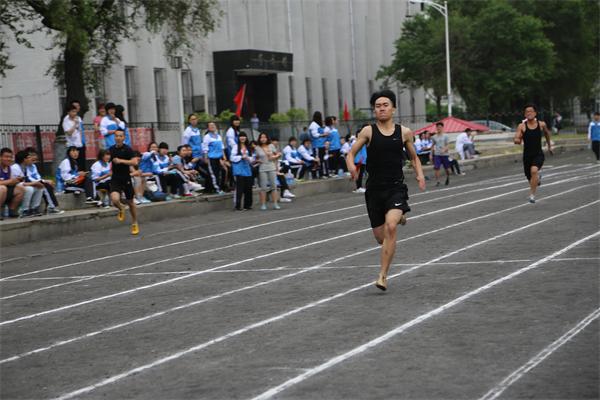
(74, 84)
(438, 106)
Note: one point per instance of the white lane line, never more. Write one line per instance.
(275, 269)
(421, 318)
(90, 277)
(497, 390)
(268, 282)
(151, 248)
(264, 322)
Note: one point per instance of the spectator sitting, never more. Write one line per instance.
(423, 145)
(185, 165)
(11, 192)
(49, 195)
(138, 179)
(101, 173)
(34, 190)
(311, 163)
(464, 144)
(291, 158)
(167, 173)
(242, 158)
(71, 180)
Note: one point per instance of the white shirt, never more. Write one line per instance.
(288, 155)
(345, 148)
(74, 138)
(230, 138)
(305, 153)
(99, 170)
(65, 170)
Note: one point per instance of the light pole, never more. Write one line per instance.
(443, 9)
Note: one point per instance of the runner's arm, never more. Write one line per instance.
(407, 138)
(547, 135)
(518, 134)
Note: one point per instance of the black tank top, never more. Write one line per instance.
(385, 157)
(532, 140)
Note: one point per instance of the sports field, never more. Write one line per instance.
(489, 297)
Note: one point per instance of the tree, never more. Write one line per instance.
(91, 30)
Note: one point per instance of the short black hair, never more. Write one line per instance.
(468, 130)
(102, 153)
(21, 156)
(180, 147)
(290, 140)
(163, 145)
(383, 93)
(440, 123)
(108, 106)
(597, 113)
(329, 120)
(5, 150)
(530, 105)
(71, 107)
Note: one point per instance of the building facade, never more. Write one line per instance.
(309, 54)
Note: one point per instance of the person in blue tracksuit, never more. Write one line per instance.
(594, 135)
(335, 144)
(214, 156)
(242, 159)
(109, 124)
(166, 172)
(318, 136)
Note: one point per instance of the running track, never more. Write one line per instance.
(490, 297)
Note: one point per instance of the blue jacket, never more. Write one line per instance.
(334, 140)
(239, 166)
(594, 131)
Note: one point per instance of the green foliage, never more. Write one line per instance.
(279, 117)
(204, 117)
(225, 116)
(297, 114)
(359, 115)
(502, 52)
(87, 30)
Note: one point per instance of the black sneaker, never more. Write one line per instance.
(25, 214)
(447, 181)
(36, 212)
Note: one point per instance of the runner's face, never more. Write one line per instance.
(384, 110)
(530, 113)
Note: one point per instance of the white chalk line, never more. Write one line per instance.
(400, 329)
(276, 269)
(168, 281)
(152, 248)
(268, 282)
(258, 324)
(90, 277)
(497, 390)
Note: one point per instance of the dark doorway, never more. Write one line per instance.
(261, 95)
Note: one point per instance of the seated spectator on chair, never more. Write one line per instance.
(101, 173)
(71, 180)
(167, 173)
(34, 190)
(291, 158)
(11, 191)
(49, 195)
(311, 163)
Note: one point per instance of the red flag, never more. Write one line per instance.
(239, 100)
(346, 112)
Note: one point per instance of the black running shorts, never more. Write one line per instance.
(382, 199)
(124, 187)
(536, 160)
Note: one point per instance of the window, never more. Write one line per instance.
(292, 97)
(187, 90)
(210, 88)
(340, 95)
(160, 94)
(353, 94)
(131, 94)
(99, 85)
(325, 99)
(309, 104)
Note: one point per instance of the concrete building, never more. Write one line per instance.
(311, 54)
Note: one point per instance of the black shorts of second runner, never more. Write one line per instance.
(382, 199)
(530, 161)
(125, 187)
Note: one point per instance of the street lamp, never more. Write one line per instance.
(443, 9)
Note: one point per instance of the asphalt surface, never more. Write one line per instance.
(488, 298)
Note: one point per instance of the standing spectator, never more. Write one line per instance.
(109, 125)
(48, 195)
(318, 137)
(232, 133)
(34, 190)
(291, 158)
(193, 137)
(267, 157)
(101, 173)
(97, 120)
(167, 173)
(242, 159)
(254, 122)
(441, 151)
(11, 192)
(423, 147)
(334, 144)
(73, 133)
(557, 123)
(594, 135)
(120, 114)
(304, 135)
(310, 163)
(82, 153)
(344, 151)
(70, 179)
(214, 156)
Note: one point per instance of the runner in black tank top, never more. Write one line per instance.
(387, 194)
(530, 134)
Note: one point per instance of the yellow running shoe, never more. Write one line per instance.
(135, 229)
(121, 214)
